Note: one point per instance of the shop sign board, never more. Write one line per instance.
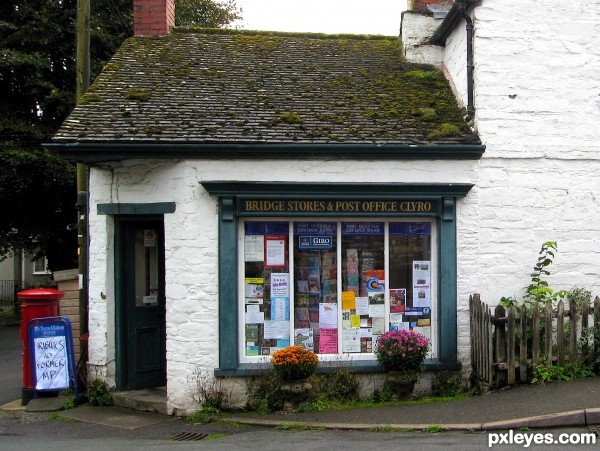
(51, 354)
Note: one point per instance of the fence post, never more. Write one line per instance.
(585, 348)
(510, 352)
(548, 336)
(536, 338)
(572, 331)
(16, 299)
(523, 346)
(486, 350)
(560, 333)
(473, 328)
(500, 341)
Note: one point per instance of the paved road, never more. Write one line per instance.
(48, 435)
(10, 364)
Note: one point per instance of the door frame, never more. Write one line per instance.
(122, 375)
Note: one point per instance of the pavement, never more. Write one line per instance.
(555, 404)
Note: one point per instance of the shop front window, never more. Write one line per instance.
(333, 286)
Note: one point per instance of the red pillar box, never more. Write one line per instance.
(36, 303)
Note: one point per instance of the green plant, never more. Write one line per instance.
(446, 384)
(580, 297)
(383, 395)
(264, 393)
(208, 391)
(294, 362)
(434, 429)
(215, 436)
(98, 394)
(538, 291)
(69, 405)
(341, 385)
(204, 416)
(316, 406)
(541, 373)
(401, 350)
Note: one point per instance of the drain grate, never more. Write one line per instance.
(189, 436)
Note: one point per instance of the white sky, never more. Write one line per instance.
(324, 16)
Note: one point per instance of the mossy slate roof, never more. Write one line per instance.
(229, 86)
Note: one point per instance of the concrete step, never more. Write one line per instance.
(147, 399)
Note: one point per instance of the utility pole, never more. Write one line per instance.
(82, 84)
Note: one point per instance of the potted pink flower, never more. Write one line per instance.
(401, 353)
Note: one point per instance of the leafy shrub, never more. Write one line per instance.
(98, 394)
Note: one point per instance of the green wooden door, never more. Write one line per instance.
(142, 341)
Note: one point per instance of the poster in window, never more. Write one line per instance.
(328, 316)
(421, 283)
(304, 338)
(397, 300)
(351, 340)
(254, 248)
(280, 308)
(254, 290)
(254, 315)
(280, 285)
(362, 305)
(275, 251)
(328, 341)
(277, 330)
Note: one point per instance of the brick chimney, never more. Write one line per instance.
(153, 17)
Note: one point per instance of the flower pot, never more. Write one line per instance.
(401, 383)
(294, 393)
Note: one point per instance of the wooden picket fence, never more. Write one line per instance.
(502, 355)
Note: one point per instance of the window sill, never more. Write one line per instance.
(257, 369)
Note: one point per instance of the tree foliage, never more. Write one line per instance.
(206, 13)
(37, 82)
(37, 190)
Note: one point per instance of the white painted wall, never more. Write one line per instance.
(537, 109)
(191, 245)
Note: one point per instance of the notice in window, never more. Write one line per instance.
(422, 283)
(280, 309)
(253, 290)
(304, 338)
(351, 340)
(275, 251)
(328, 341)
(277, 330)
(254, 248)
(328, 316)
(397, 300)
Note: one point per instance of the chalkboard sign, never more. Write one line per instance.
(51, 354)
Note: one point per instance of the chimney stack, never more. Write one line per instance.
(153, 17)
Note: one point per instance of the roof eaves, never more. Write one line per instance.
(97, 152)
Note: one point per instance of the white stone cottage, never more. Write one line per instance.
(253, 190)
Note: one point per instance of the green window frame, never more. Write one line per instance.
(232, 205)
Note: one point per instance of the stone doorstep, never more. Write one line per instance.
(147, 400)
